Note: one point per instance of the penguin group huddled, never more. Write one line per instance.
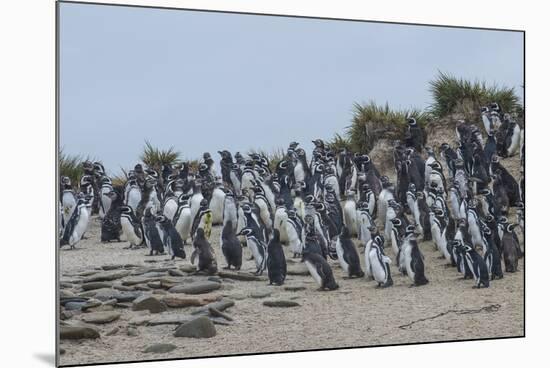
(459, 200)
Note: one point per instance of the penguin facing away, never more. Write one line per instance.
(171, 238)
(276, 262)
(152, 234)
(347, 255)
(231, 246)
(205, 253)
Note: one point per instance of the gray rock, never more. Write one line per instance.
(112, 267)
(61, 351)
(120, 296)
(100, 317)
(221, 306)
(123, 288)
(217, 313)
(150, 303)
(140, 320)
(187, 268)
(237, 296)
(78, 332)
(295, 287)
(65, 285)
(215, 279)
(182, 301)
(74, 305)
(262, 293)
(160, 348)
(107, 276)
(64, 301)
(132, 331)
(112, 331)
(240, 276)
(95, 285)
(92, 303)
(64, 294)
(201, 327)
(281, 303)
(199, 287)
(175, 272)
(169, 319)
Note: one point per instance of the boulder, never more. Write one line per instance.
(240, 276)
(150, 303)
(95, 285)
(182, 301)
(199, 287)
(78, 332)
(201, 327)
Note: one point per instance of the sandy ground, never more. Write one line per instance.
(358, 314)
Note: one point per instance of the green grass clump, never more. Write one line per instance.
(71, 166)
(155, 158)
(452, 95)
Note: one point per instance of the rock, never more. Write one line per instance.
(65, 285)
(140, 320)
(160, 292)
(160, 348)
(123, 288)
(89, 293)
(295, 287)
(142, 288)
(68, 314)
(199, 287)
(64, 301)
(112, 331)
(216, 313)
(175, 272)
(123, 305)
(187, 268)
(64, 294)
(258, 294)
(112, 302)
(220, 321)
(107, 276)
(215, 279)
(281, 303)
(92, 303)
(297, 270)
(150, 303)
(120, 296)
(112, 267)
(132, 331)
(200, 327)
(96, 285)
(153, 275)
(100, 317)
(61, 351)
(240, 276)
(182, 301)
(74, 305)
(237, 296)
(220, 305)
(169, 319)
(154, 284)
(78, 332)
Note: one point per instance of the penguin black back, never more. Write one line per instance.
(276, 261)
(231, 247)
(204, 251)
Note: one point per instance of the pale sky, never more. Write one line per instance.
(203, 81)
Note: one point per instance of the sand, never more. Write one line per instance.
(358, 314)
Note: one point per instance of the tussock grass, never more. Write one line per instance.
(452, 95)
(155, 158)
(71, 166)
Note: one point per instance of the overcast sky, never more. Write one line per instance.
(203, 81)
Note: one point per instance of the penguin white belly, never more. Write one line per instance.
(365, 223)
(154, 202)
(184, 223)
(170, 208)
(299, 206)
(382, 206)
(133, 198)
(241, 224)
(378, 268)
(442, 245)
(128, 231)
(69, 205)
(105, 202)
(313, 271)
(455, 206)
(350, 217)
(407, 259)
(515, 143)
(368, 268)
(230, 214)
(394, 242)
(293, 238)
(390, 215)
(474, 231)
(264, 213)
(80, 227)
(216, 206)
(235, 182)
(280, 224)
(195, 204)
(299, 173)
(340, 253)
(333, 181)
(253, 246)
(247, 182)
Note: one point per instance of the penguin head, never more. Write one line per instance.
(330, 198)
(486, 230)
(411, 121)
(206, 156)
(502, 220)
(309, 199)
(412, 187)
(510, 228)
(246, 231)
(291, 213)
(489, 219)
(396, 222)
(494, 106)
(125, 210)
(410, 230)
(484, 109)
(379, 239)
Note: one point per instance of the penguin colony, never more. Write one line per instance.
(458, 199)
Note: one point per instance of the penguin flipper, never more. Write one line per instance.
(193, 256)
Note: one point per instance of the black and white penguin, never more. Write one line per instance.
(110, 224)
(171, 238)
(450, 156)
(203, 250)
(475, 263)
(77, 224)
(182, 219)
(347, 255)
(492, 257)
(105, 200)
(276, 262)
(226, 163)
(231, 246)
(131, 226)
(294, 230)
(380, 263)
(153, 234)
(202, 220)
(414, 260)
(320, 270)
(474, 225)
(414, 137)
(279, 221)
(350, 213)
(257, 247)
(439, 232)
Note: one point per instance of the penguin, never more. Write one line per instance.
(171, 238)
(455, 200)
(492, 256)
(263, 205)
(347, 255)
(276, 262)
(380, 263)
(350, 213)
(311, 239)
(170, 207)
(132, 194)
(396, 238)
(414, 137)
(474, 226)
(439, 230)
(231, 246)
(152, 235)
(69, 201)
(131, 227)
(477, 266)
(490, 148)
(294, 226)
(320, 270)
(258, 249)
(329, 178)
(226, 163)
(365, 221)
(182, 219)
(196, 198)
(413, 207)
(110, 224)
(235, 177)
(424, 216)
(105, 202)
(486, 119)
(386, 194)
(510, 247)
(450, 157)
(436, 178)
(216, 205)
(76, 226)
(230, 210)
(202, 220)
(203, 250)
(280, 219)
(414, 260)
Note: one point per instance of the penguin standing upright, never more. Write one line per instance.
(153, 237)
(231, 246)
(276, 262)
(182, 219)
(350, 213)
(258, 249)
(171, 238)
(380, 263)
(105, 200)
(202, 220)
(475, 263)
(492, 256)
(131, 226)
(203, 249)
(510, 247)
(414, 137)
(320, 270)
(77, 224)
(414, 260)
(216, 205)
(347, 255)
(110, 224)
(280, 219)
(294, 227)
